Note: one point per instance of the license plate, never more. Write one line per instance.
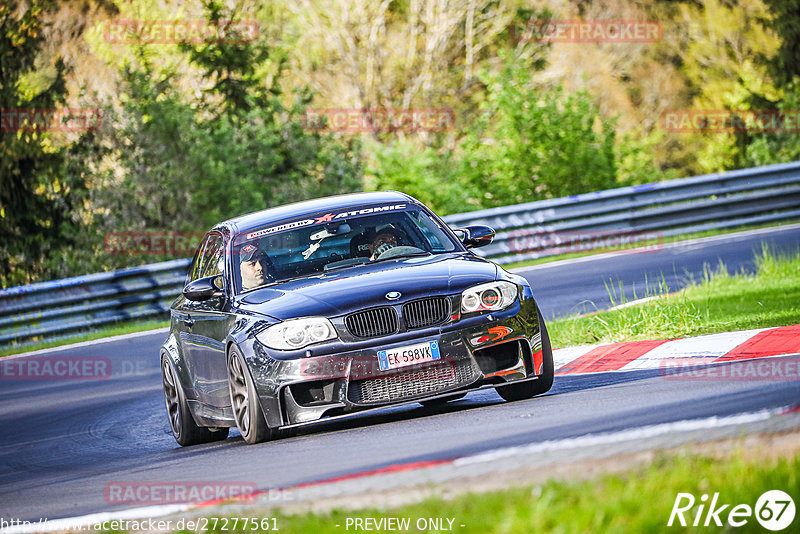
(409, 355)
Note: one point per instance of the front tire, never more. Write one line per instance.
(526, 390)
(244, 400)
(184, 429)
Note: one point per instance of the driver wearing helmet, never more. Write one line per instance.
(384, 240)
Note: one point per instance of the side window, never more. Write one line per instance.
(213, 256)
(427, 226)
(194, 268)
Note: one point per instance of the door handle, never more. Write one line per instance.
(189, 322)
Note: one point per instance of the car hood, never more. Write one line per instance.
(343, 291)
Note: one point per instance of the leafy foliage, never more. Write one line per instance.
(37, 199)
(786, 20)
(528, 143)
(199, 132)
(234, 149)
(726, 63)
(780, 146)
(431, 177)
(533, 143)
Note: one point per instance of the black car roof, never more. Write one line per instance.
(258, 219)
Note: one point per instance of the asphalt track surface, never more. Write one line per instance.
(64, 441)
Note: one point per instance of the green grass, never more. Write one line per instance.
(639, 500)
(113, 330)
(646, 243)
(720, 302)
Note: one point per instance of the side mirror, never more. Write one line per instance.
(204, 288)
(475, 236)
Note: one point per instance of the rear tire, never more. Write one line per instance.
(244, 400)
(526, 390)
(184, 429)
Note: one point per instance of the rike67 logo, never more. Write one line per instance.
(774, 510)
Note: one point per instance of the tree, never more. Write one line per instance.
(36, 199)
(426, 174)
(782, 147)
(367, 54)
(186, 163)
(778, 146)
(726, 61)
(786, 21)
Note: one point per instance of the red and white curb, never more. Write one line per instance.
(666, 354)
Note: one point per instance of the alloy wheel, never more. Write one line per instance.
(240, 398)
(171, 396)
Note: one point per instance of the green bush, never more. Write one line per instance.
(778, 147)
(532, 143)
(527, 144)
(421, 172)
(185, 172)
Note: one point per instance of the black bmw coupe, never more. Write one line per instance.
(321, 309)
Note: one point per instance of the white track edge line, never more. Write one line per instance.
(639, 301)
(665, 360)
(608, 438)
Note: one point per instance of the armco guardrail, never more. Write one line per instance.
(52, 310)
(637, 213)
(57, 309)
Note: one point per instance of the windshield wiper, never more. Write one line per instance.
(351, 262)
(276, 282)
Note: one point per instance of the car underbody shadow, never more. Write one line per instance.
(391, 414)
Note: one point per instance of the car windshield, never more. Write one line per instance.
(332, 241)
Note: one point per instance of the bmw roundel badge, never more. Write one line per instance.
(393, 295)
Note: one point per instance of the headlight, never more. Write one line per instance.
(297, 333)
(488, 297)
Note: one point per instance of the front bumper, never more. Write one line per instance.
(480, 351)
